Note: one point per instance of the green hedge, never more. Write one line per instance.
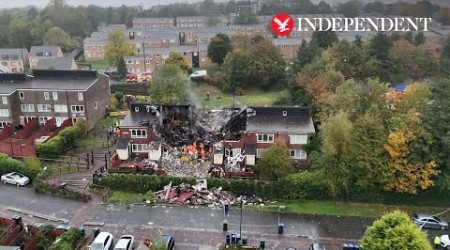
(301, 186)
(68, 240)
(8, 164)
(63, 142)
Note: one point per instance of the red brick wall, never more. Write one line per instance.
(9, 238)
(29, 127)
(7, 131)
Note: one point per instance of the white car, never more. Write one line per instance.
(103, 241)
(126, 242)
(15, 179)
(445, 241)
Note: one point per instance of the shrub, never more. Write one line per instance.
(68, 240)
(8, 164)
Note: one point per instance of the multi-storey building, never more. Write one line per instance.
(157, 22)
(41, 52)
(14, 60)
(201, 21)
(53, 94)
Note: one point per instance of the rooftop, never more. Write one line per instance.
(295, 120)
(44, 51)
(56, 63)
(47, 79)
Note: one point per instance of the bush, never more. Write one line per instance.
(305, 185)
(63, 142)
(68, 240)
(8, 164)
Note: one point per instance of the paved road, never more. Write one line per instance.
(26, 198)
(192, 227)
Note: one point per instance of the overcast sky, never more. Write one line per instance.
(149, 3)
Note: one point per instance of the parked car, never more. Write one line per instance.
(15, 179)
(429, 221)
(168, 241)
(445, 242)
(316, 246)
(126, 242)
(103, 241)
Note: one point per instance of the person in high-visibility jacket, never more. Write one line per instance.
(437, 242)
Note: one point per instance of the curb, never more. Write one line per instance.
(38, 215)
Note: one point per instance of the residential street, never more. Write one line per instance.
(192, 227)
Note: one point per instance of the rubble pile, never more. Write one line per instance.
(186, 194)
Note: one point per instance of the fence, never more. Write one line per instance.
(60, 164)
(105, 195)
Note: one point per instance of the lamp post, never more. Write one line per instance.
(240, 221)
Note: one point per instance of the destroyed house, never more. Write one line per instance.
(148, 123)
(255, 129)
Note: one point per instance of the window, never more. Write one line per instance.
(21, 95)
(138, 133)
(298, 154)
(60, 108)
(4, 100)
(3, 124)
(298, 139)
(139, 147)
(265, 138)
(284, 113)
(27, 107)
(77, 108)
(95, 105)
(80, 97)
(4, 113)
(46, 96)
(55, 95)
(44, 108)
(136, 109)
(43, 120)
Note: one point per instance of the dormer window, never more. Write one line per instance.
(285, 113)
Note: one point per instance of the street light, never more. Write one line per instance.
(143, 52)
(240, 221)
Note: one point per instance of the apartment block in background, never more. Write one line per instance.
(14, 60)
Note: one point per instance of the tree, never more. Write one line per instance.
(176, 59)
(419, 39)
(235, 68)
(324, 39)
(58, 37)
(338, 150)
(218, 48)
(395, 230)
(116, 47)
(436, 119)
(350, 8)
(275, 161)
(169, 85)
(410, 163)
(305, 55)
(122, 68)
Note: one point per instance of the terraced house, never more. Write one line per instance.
(14, 60)
(55, 94)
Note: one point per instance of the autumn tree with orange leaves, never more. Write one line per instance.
(410, 166)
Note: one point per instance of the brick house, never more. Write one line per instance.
(14, 60)
(53, 94)
(40, 52)
(255, 129)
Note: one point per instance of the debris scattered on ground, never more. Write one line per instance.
(199, 194)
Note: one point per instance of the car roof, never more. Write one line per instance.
(102, 236)
(318, 246)
(122, 243)
(424, 215)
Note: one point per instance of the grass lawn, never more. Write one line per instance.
(218, 99)
(341, 208)
(98, 65)
(125, 197)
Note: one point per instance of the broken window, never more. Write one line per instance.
(298, 154)
(138, 133)
(265, 138)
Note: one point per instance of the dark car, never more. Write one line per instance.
(429, 221)
(316, 246)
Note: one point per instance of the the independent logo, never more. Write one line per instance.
(282, 24)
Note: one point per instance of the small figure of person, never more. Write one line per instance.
(207, 95)
(437, 242)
